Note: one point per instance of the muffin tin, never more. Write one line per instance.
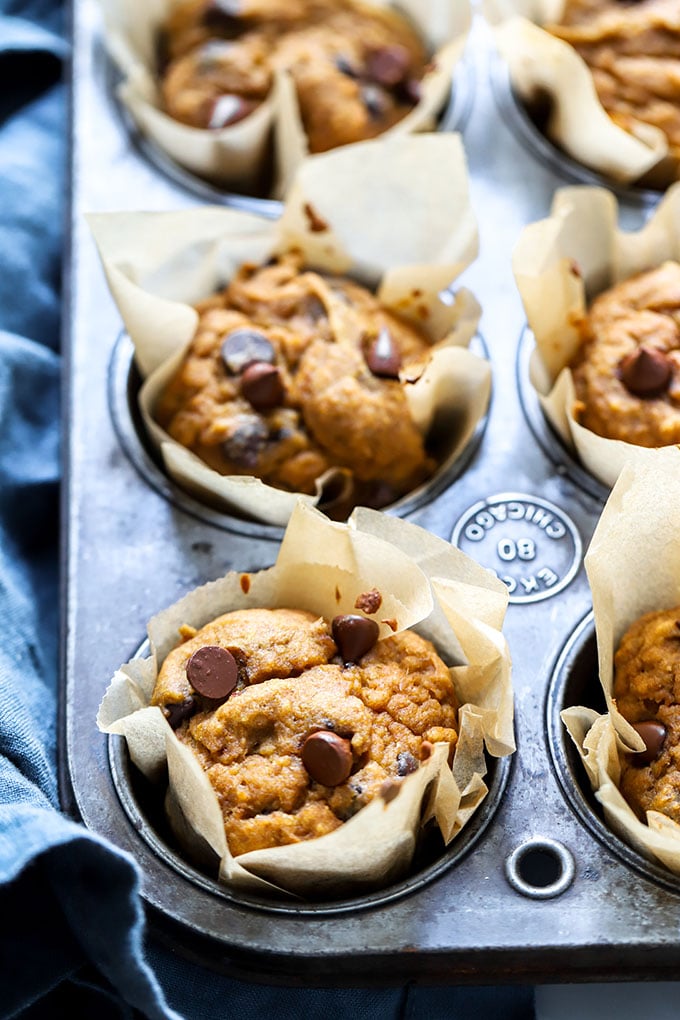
(538, 889)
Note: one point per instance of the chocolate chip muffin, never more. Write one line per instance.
(633, 51)
(356, 68)
(627, 372)
(647, 693)
(298, 722)
(291, 373)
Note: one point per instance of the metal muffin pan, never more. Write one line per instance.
(536, 891)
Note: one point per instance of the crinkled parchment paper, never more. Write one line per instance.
(234, 156)
(322, 567)
(539, 62)
(561, 264)
(633, 566)
(407, 228)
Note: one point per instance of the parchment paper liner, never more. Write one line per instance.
(407, 230)
(633, 565)
(426, 584)
(234, 156)
(538, 61)
(560, 265)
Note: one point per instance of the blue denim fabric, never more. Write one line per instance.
(72, 940)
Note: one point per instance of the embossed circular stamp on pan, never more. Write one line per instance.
(532, 545)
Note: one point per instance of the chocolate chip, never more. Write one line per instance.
(262, 386)
(227, 110)
(375, 100)
(410, 91)
(327, 757)
(177, 712)
(345, 66)
(246, 442)
(223, 15)
(388, 65)
(369, 601)
(354, 636)
(406, 763)
(213, 672)
(244, 346)
(654, 735)
(646, 372)
(383, 357)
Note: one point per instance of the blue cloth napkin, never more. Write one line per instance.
(72, 942)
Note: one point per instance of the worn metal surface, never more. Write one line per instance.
(134, 544)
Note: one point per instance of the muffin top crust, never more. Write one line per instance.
(647, 693)
(292, 373)
(320, 717)
(356, 68)
(627, 371)
(633, 51)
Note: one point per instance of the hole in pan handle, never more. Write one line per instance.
(540, 868)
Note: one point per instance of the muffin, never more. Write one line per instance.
(627, 372)
(306, 724)
(299, 722)
(630, 752)
(633, 52)
(599, 78)
(356, 68)
(602, 304)
(239, 94)
(647, 694)
(293, 372)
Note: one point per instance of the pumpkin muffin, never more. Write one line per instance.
(647, 693)
(627, 372)
(633, 51)
(298, 722)
(356, 68)
(292, 373)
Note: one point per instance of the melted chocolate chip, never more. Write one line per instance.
(654, 735)
(244, 346)
(410, 91)
(177, 712)
(383, 357)
(375, 100)
(223, 15)
(262, 386)
(406, 763)
(646, 372)
(213, 672)
(354, 636)
(388, 65)
(327, 757)
(227, 110)
(247, 441)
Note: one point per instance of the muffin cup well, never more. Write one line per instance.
(633, 566)
(560, 264)
(323, 567)
(234, 156)
(157, 261)
(540, 64)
